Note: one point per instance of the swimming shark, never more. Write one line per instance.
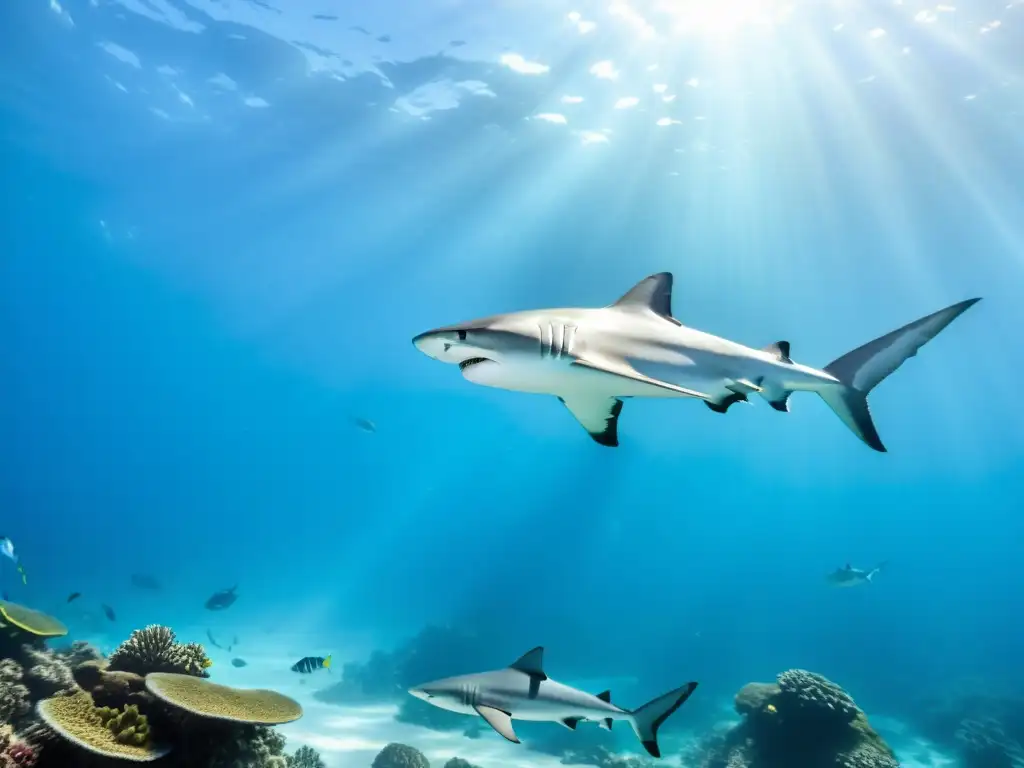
(848, 576)
(592, 359)
(523, 691)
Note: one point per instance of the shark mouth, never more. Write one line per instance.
(472, 361)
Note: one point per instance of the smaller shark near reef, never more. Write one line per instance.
(523, 691)
(848, 576)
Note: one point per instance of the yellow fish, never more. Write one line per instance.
(771, 709)
(207, 663)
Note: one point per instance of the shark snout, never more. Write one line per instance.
(440, 345)
(419, 693)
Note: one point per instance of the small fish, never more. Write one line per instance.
(7, 550)
(771, 709)
(206, 663)
(109, 612)
(239, 663)
(220, 600)
(145, 581)
(74, 596)
(364, 424)
(311, 664)
(213, 642)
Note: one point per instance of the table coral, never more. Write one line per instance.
(221, 702)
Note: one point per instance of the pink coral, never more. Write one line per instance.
(20, 755)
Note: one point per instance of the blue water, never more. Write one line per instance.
(217, 240)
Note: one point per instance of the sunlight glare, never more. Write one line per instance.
(724, 17)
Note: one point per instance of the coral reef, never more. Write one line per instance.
(155, 649)
(984, 743)
(102, 731)
(400, 756)
(14, 696)
(220, 702)
(307, 757)
(72, 707)
(803, 719)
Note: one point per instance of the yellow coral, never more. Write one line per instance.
(205, 699)
(33, 622)
(103, 731)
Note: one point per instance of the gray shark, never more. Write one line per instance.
(523, 691)
(848, 576)
(592, 359)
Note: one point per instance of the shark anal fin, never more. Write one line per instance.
(499, 721)
(571, 722)
(781, 404)
(532, 663)
(780, 349)
(606, 724)
(626, 371)
(653, 294)
(605, 696)
(598, 415)
(721, 406)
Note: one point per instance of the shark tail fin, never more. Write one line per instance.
(647, 719)
(864, 368)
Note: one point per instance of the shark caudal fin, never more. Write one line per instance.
(647, 719)
(864, 368)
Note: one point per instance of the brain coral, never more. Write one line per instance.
(220, 702)
(816, 695)
(400, 756)
(101, 731)
(155, 649)
(33, 622)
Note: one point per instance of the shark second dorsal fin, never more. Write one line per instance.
(605, 696)
(653, 293)
(532, 663)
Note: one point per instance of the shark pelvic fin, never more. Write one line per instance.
(598, 415)
(499, 721)
(723, 405)
(613, 367)
(653, 294)
(532, 663)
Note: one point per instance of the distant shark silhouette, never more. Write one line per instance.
(592, 359)
(848, 576)
(523, 691)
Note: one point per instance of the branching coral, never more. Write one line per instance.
(307, 757)
(155, 649)
(400, 756)
(14, 696)
(46, 675)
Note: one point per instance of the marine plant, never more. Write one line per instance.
(305, 757)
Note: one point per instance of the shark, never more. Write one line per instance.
(848, 576)
(523, 691)
(592, 359)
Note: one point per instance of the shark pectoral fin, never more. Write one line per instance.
(626, 371)
(598, 415)
(531, 662)
(571, 722)
(499, 721)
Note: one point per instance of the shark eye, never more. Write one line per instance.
(462, 335)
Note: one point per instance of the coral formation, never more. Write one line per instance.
(46, 674)
(33, 622)
(78, 653)
(155, 649)
(102, 731)
(982, 720)
(15, 752)
(220, 702)
(400, 756)
(14, 696)
(307, 757)
(458, 762)
(803, 719)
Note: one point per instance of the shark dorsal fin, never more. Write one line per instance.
(605, 696)
(780, 349)
(653, 293)
(532, 663)
(848, 567)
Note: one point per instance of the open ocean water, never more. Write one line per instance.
(224, 222)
